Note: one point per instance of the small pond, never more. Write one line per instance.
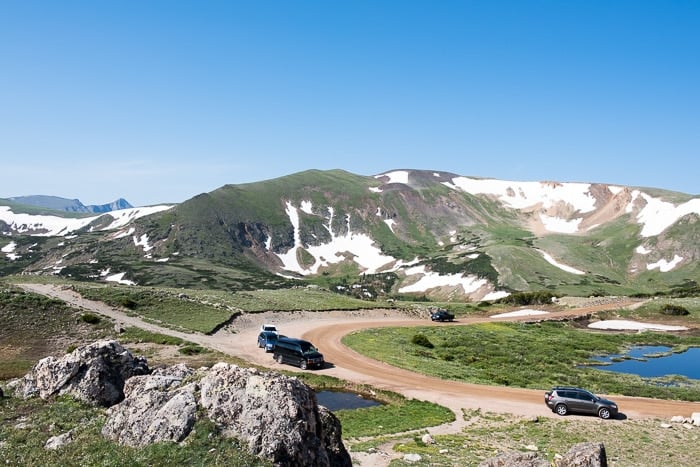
(339, 400)
(646, 362)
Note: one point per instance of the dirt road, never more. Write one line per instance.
(326, 330)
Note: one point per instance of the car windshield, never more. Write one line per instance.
(307, 347)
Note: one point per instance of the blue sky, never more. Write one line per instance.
(158, 101)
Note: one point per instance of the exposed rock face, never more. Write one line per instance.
(155, 409)
(276, 415)
(584, 455)
(332, 439)
(57, 442)
(94, 373)
(580, 455)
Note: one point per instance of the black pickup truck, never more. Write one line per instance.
(442, 315)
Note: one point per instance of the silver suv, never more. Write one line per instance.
(565, 399)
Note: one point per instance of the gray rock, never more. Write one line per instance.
(155, 410)
(515, 459)
(275, 415)
(56, 442)
(695, 418)
(584, 455)
(94, 373)
(332, 438)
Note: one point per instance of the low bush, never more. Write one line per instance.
(90, 318)
(422, 340)
(674, 310)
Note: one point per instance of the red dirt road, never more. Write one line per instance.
(326, 330)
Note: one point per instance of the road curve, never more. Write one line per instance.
(327, 332)
(454, 394)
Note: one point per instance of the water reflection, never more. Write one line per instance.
(646, 362)
(339, 400)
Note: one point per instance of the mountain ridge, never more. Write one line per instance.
(413, 232)
(70, 205)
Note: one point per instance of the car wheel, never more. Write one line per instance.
(303, 365)
(561, 409)
(259, 345)
(604, 413)
(279, 358)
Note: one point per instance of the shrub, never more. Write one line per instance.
(674, 310)
(127, 302)
(422, 340)
(191, 349)
(90, 318)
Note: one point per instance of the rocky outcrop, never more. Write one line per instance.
(277, 416)
(580, 455)
(94, 373)
(584, 455)
(155, 409)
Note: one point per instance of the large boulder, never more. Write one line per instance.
(155, 409)
(94, 373)
(276, 415)
(584, 455)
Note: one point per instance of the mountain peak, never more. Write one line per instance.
(70, 205)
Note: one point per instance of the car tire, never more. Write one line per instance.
(303, 365)
(604, 413)
(561, 409)
(279, 358)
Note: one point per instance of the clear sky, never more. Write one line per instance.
(158, 101)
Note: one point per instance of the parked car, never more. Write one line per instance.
(442, 315)
(268, 327)
(267, 340)
(565, 399)
(297, 352)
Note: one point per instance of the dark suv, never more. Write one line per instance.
(442, 315)
(565, 399)
(297, 352)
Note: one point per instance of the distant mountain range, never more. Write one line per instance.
(70, 205)
(408, 233)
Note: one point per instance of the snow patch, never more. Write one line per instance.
(9, 251)
(658, 215)
(557, 224)
(397, 176)
(142, 242)
(563, 267)
(358, 247)
(524, 312)
(641, 250)
(495, 295)
(432, 279)
(61, 226)
(626, 325)
(306, 207)
(520, 195)
(119, 279)
(665, 266)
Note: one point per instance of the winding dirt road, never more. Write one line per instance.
(326, 330)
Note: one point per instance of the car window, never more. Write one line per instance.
(307, 347)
